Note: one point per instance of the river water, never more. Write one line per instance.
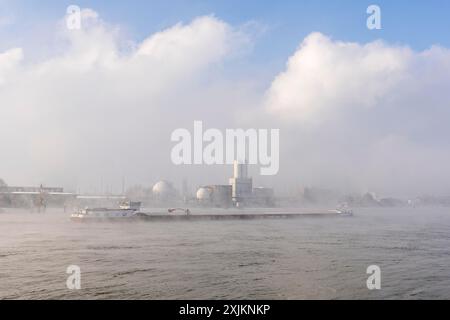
(304, 258)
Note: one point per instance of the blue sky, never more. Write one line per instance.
(418, 24)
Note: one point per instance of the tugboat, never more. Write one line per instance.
(125, 211)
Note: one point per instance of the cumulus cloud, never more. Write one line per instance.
(365, 116)
(354, 117)
(324, 76)
(103, 109)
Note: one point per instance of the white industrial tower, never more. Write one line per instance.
(242, 185)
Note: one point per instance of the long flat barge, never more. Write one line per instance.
(98, 216)
(233, 216)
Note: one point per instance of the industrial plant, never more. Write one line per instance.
(239, 192)
(34, 197)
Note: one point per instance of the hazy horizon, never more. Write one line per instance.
(86, 108)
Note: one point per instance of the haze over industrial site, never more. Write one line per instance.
(355, 114)
(224, 150)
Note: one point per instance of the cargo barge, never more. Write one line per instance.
(127, 213)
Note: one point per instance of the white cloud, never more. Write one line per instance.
(368, 116)
(99, 110)
(351, 115)
(325, 76)
(9, 60)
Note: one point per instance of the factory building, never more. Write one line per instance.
(263, 197)
(215, 196)
(242, 191)
(33, 197)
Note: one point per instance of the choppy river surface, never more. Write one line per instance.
(304, 258)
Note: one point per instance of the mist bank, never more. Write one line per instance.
(353, 117)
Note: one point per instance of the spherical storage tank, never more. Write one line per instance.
(163, 189)
(204, 194)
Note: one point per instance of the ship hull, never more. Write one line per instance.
(138, 216)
